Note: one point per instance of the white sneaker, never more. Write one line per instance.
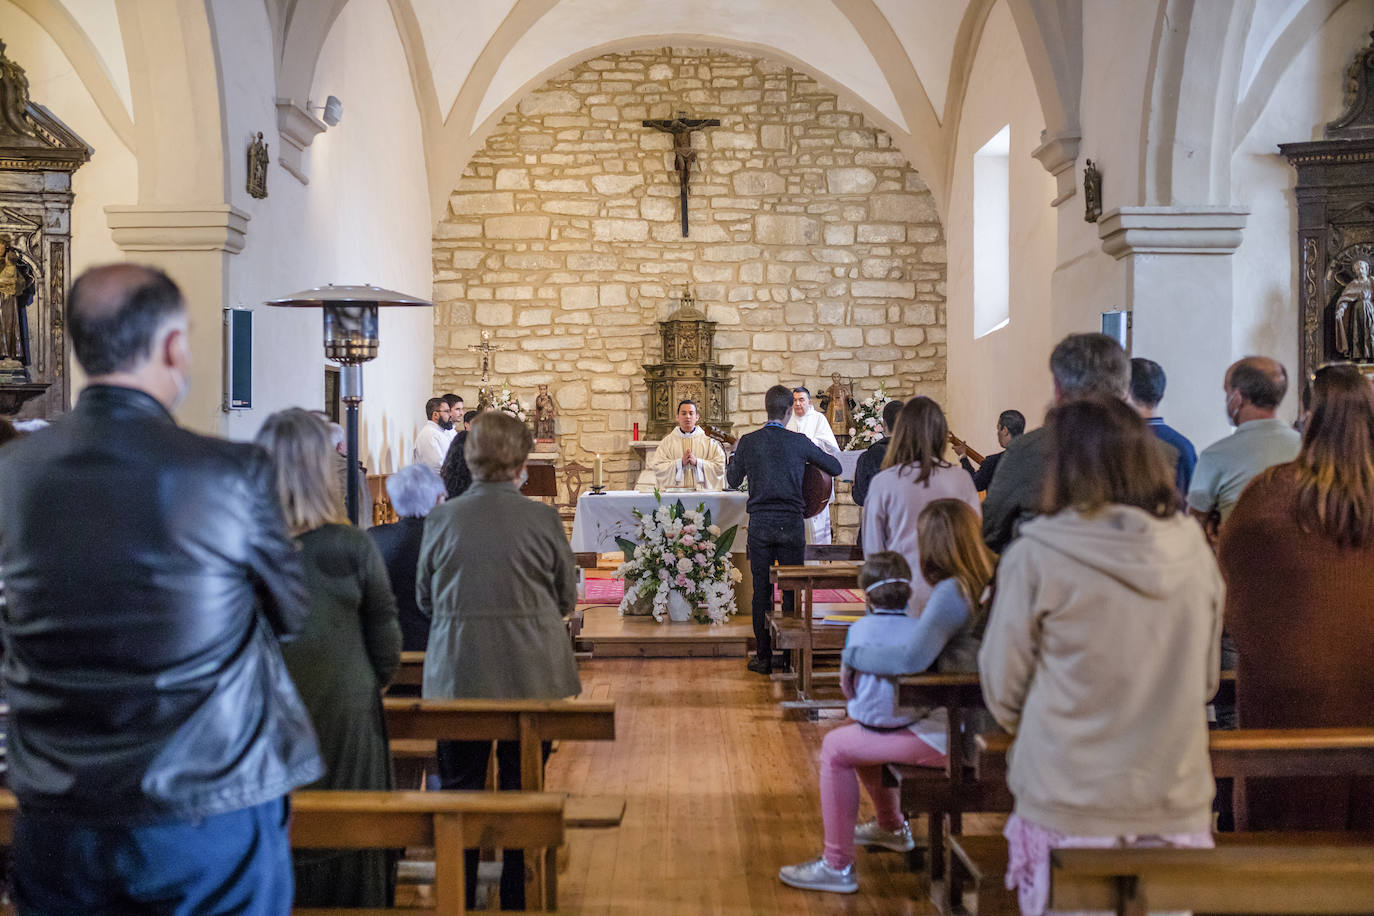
(869, 833)
(817, 876)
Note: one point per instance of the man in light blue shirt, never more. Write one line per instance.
(1254, 388)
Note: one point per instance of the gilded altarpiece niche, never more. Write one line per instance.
(38, 154)
(688, 371)
(1335, 201)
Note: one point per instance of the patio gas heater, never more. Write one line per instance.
(350, 339)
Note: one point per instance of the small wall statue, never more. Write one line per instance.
(545, 415)
(1354, 318)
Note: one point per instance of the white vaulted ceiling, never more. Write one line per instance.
(928, 30)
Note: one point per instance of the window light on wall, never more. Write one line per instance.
(992, 234)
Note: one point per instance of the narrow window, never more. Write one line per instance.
(992, 234)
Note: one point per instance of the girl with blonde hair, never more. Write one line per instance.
(882, 646)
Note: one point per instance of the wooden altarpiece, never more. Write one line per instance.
(1335, 200)
(38, 154)
(688, 371)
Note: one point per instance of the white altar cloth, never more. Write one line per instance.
(848, 462)
(599, 520)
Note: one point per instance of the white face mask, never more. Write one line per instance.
(522, 478)
(183, 389)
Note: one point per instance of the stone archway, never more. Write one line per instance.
(814, 243)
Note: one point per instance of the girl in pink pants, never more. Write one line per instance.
(885, 644)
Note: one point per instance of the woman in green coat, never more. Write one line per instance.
(496, 577)
(349, 650)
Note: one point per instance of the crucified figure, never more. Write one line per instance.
(682, 128)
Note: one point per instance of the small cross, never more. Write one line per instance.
(682, 128)
(485, 349)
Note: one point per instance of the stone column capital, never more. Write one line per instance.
(212, 227)
(1058, 153)
(297, 128)
(1171, 230)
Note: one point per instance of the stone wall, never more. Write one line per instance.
(813, 243)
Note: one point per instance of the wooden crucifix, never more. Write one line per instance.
(682, 128)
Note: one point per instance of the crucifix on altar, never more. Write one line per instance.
(484, 391)
(682, 128)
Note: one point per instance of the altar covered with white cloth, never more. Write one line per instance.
(599, 520)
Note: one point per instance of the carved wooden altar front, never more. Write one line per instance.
(688, 371)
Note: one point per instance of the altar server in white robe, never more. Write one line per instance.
(813, 424)
(687, 457)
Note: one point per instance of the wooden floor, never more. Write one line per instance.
(721, 790)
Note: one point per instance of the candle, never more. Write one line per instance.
(636, 432)
(597, 472)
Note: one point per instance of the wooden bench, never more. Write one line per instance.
(448, 821)
(979, 863)
(1233, 879)
(412, 670)
(795, 633)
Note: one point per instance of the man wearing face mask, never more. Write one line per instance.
(1254, 388)
(154, 731)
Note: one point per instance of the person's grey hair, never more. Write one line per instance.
(1090, 365)
(336, 434)
(496, 446)
(414, 490)
(308, 485)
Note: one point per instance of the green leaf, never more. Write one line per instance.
(679, 509)
(726, 541)
(707, 513)
(628, 546)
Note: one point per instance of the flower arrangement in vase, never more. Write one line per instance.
(680, 553)
(506, 402)
(868, 421)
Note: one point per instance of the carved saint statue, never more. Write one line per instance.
(1355, 316)
(545, 413)
(839, 406)
(257, 168)
(16, 290)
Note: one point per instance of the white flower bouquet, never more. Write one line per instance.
(868, 421)
(506, 402)
(680, 550)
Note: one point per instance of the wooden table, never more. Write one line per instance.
(796, 633)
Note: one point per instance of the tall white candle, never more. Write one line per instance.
(597, 472)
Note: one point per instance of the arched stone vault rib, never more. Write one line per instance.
(966, 44)
(1308, 21)
(455, 157)
(76, 45)
(912, 98)
(305, 28)
(421, 77)
(1052, 37)
(1187, 140)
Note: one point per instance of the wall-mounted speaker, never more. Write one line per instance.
(238, 359)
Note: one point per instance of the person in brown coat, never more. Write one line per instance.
(1297, 552)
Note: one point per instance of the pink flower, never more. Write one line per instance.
(701, 559)
(688, 541)
(663, 575)
(681, 579)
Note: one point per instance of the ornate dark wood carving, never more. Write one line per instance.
(1335, 201)
(688, 370)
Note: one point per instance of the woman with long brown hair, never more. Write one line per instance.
(347, 652)
(915, 474)
(1101, 652)
(1297, 553)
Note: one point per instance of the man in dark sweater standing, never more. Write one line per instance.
(774, 461)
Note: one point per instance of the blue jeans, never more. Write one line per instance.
(236, 863)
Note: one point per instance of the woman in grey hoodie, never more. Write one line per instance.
(1101, 652)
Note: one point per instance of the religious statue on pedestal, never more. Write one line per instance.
(1354, 316)
(16, 291)
(545, 413)
(839, 406)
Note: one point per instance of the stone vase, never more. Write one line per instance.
(679, 608)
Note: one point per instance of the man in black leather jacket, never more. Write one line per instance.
(148, 578)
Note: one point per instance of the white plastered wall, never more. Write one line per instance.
(1264, 269)
(364, 218)
(110, 177)
(1007, 368)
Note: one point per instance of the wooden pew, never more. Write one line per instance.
(1235, 879)
(795, 632)
(448, 821)
(412, 670)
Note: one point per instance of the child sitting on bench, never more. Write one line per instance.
(880, 647)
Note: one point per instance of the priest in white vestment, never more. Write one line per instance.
(813, 424)
(687, 457)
